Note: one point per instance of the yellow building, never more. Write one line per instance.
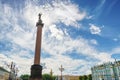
(69, 77)
(4, 74)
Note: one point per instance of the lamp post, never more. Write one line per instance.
(16, 71)
(11, 68)
(13, 71)
(61, 70)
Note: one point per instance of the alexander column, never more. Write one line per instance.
(36, 68)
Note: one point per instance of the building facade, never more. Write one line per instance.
(106, 71)
(68, 77)
(4, 74)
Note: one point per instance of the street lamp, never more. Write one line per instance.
(61, 70)
(13, 71)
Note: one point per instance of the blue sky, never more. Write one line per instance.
(77, 34)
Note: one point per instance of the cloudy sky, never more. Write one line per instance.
(77, 34)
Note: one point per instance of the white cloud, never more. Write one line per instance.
(22, 63)
(105, 57)
(57, 33)
(56, 41)
(101, 4)
(66, 13)
(89, 17)
(93, 41)
(116, 50)
(66, 62)
(22, 34)
(22, 38)
(99, 9)
(94, 29)
(115, 39)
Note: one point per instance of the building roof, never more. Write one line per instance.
(2, 69)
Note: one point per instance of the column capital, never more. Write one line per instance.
(39, 23)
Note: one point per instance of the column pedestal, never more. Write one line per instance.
(36, 72)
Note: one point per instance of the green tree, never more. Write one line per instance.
(80, 77)
(25, 77)
(46, 77)
(53, 77)
(84, 77)
(89, 77)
